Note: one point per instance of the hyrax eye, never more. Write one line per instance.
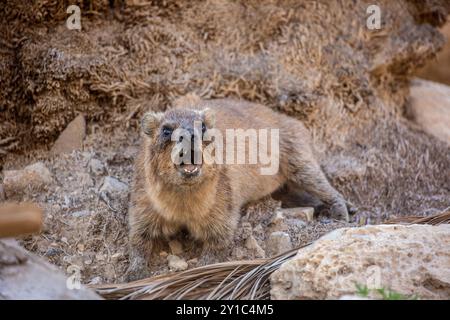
(166, 131)
(203, 128)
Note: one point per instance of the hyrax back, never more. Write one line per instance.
(205, 199)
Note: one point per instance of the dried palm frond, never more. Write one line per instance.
(227, 280)
(440, 218)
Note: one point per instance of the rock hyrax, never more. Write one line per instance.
(205, 199)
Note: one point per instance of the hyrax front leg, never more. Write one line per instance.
(306, 173)
(216, 231)
(147, 234)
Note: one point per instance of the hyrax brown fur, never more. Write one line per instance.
(168, 198)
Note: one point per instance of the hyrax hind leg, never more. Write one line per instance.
(304, 171)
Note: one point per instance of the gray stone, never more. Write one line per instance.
(278, 222)
(72, 137)
(85, 180)
(96, 167)
(35, 177)
(176, 263)
(252, 245)
(278, 242)
(81, 214)
(284, 218)
(299, 213)
(429, 107)
(96, 280)
(113, 186)
(26, 276)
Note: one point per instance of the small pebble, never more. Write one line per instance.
(176, 263)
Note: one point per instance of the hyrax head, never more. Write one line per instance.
(174, 142)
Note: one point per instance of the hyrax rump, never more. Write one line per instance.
(205, 199)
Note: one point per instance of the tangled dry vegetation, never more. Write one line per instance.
(304, 58)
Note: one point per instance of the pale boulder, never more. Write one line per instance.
(176, 263)
(278, 242)
(410, 260)
(114, 186)
(429, 107)
(252, 245)
(32, 177)
(72, 137)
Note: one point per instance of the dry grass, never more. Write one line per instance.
(161, 50)
(440, 218)
(228, 280)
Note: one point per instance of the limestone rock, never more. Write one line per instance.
(278, 242)
(96, 167)
(114, 186)
(25, 276)
(96, 280)
(438, 69)
(278, 222)
(429, 107)
(84, 180)
(239, 253)
(299, 213)
(114, 193)
(72, 137)
(283, 218)
(252, 245)
(176, 263)
(81, 214)
(35, 176)
(410, 260)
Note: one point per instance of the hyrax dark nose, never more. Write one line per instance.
(193, 137)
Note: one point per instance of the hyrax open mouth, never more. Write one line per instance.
(189, 169)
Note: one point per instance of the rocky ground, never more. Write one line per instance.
(85, 196)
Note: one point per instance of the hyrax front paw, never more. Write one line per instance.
(338, 210)
(136, 273)
(217, 243)
(137, 269)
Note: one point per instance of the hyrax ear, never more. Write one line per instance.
(209, 117)
(150, 122)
